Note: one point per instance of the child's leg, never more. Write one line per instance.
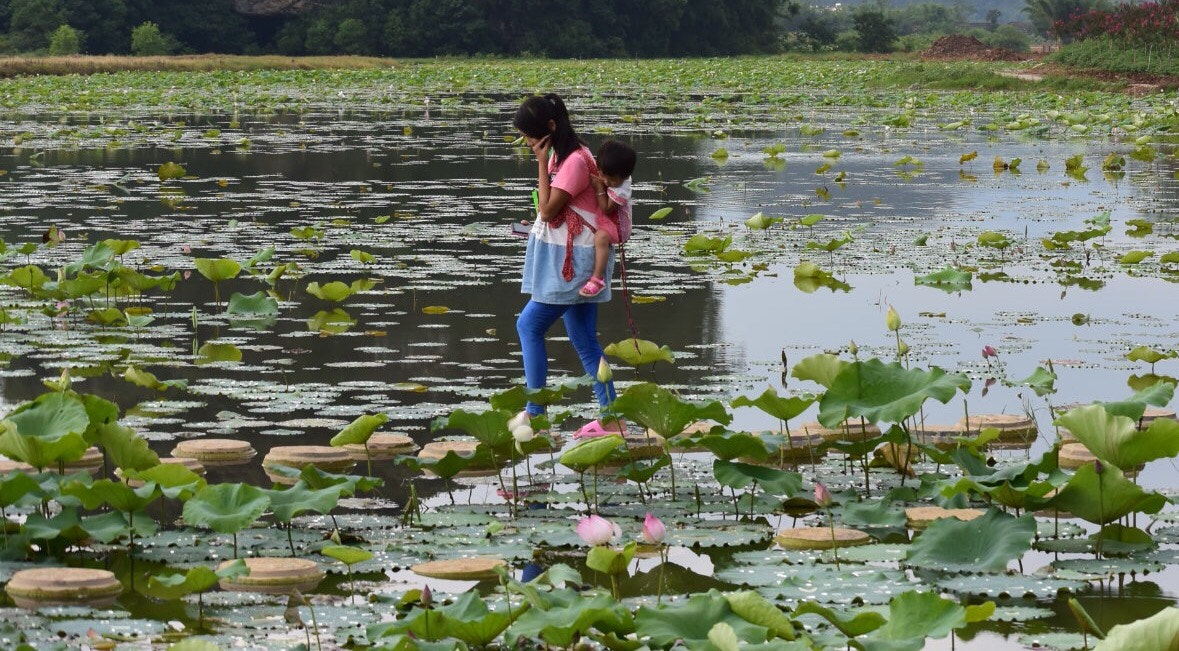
(601, 253)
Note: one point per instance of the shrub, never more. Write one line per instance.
(147, 40)
(65, 41)
(1009, 37)
(876, 30)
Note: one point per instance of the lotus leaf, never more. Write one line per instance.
(126, 449)
(217, 270)
(118, 495)
(754, 608)
(591, 452)
(251, 305)
(660, 214)
(468, 619)
(1116, 439)
(360, 430)
(1103, 498)
(771, 403)
(560, 617)
(46, 431)
(733, 474)
(170, 170)
(885, 393)
(662, 411)
(174, 480)
(1041, 381)
(333, 322)
(609, 560)
(347, 555)
(948, 279)
(987, 543)
(148, 380)
(226, 508)
(692, 619)
(335, 291)
(731, 445)
(853, 626)
(700, 243)
(822, 369)
(637, 352)
(298, 498)
(1155, 633)
(914, 616)
(197, 579)
(449, 464)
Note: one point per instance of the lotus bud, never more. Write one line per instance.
(853, 348)
(822, 495)
(604, 372)
(892, 319)
(653, 530)
(989, 351)
(902, 348)
(523, 434)
(1098, 467)
(427, 597)
(519, 420)
(595, 530)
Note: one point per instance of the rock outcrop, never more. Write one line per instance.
(274, 7)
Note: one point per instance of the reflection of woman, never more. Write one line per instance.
(560, 254)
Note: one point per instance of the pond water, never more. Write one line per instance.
(430, 191)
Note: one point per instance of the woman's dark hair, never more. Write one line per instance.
(616, 159)
(533, 117)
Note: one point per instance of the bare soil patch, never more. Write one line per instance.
(957, 46)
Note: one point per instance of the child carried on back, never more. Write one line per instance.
(616, 163)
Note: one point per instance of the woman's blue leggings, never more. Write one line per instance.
(581, 324)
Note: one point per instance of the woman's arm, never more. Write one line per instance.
(550, 200)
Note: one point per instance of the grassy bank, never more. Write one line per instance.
(84, 65)
(1114, 56)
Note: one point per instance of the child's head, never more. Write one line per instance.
(616, 161)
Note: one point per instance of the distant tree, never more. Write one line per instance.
(1009, 37)
(875, 30)
(65, 41)
(929, 18)
(147, 40)
(106, 21)
(993, 19)
(352, 37)
(32, 22)
(1042, 13)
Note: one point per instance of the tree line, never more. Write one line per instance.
(402, 28)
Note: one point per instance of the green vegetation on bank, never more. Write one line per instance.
(85, 65)
(1115, 56)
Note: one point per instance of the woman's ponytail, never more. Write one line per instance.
(533, 117)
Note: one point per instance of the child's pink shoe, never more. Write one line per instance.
(593, 287)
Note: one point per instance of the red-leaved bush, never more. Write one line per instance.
(1148, 23)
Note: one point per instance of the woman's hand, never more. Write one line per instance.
(540, 148)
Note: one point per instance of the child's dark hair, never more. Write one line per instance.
(616, 159)
(533, 117)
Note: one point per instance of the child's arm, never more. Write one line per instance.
(605, 203)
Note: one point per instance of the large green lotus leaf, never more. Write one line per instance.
(174, 480)
(125, 448)
(731, 445)
(637, 352)
(351, 484)
(514, 399)
(213, 352)
(17, 487)
(642, 470)
(257, 304)
(664, 412)
(851, 625)
(148, 380)
(875, 513)
(218, 269)
(771, 403)
(1116, 439)
(112, 525)
(984, 544)
(821, 369)
(914, 616)
(735, 474)
(46, 430)
(948, 280)
(885, 393)
(755, 609)
(1157, 394)
(100, 411)
(226, 508)
(488, 427)
(692, 619)
(449, 465)
(196, 579)
(346, 554)
(335, 291)
(118, 495)
(37, 452)
(1104, 498)
(1041, 381)
(66, 525)
(591, 452)
(565, 615)
(298, 498)
(468, 619)
(333, 322)
(608, 560)
(360, 430)
(1159, 632)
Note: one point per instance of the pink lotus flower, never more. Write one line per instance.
(596, 530)
(653, 530)
(989, 351)
(822, 495)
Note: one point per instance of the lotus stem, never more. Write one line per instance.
(834, 543)
(290, 542)
(368, 456)
(662, 567)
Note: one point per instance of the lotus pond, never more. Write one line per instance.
(851, 301)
